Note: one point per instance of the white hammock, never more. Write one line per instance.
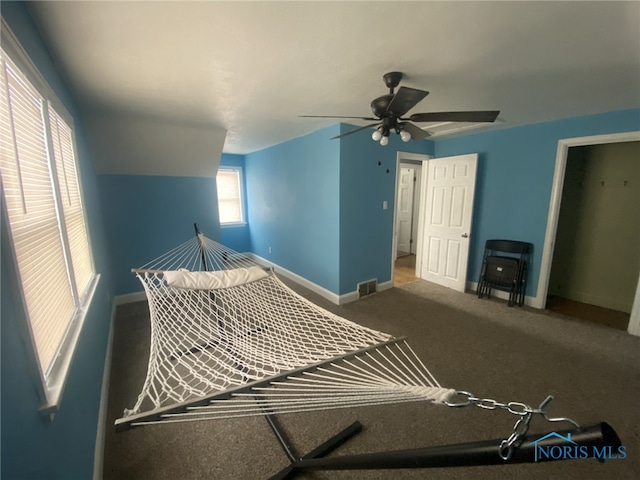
(229, 339)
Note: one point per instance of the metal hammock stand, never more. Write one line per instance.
(254, 388)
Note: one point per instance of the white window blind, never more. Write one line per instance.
(44, 213)
(229, 187)
(70, 201)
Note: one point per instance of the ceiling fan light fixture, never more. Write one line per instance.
(384, 141)
(405, 136)
(377, 135)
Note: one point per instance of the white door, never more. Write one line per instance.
(405, 209)
(446, 223)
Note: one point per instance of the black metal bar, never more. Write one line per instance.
(335, 441)
(600, 436)
(286, 473)
(202, 254)
(287, 446)
(320, 451)
(283, 439)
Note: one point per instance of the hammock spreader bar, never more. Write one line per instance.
(595, 439)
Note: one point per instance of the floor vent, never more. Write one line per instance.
(367, 288)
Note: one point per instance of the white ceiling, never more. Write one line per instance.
(253, 67)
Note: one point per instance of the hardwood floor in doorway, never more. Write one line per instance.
(591, 313)
(404, 270)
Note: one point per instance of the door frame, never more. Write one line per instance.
(564, 144)
(400, 157)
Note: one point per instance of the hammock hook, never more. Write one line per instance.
(524, 411)
(516, 408)
(541, 411)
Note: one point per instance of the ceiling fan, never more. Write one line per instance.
(388, 111)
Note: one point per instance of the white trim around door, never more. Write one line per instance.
(554, 211)
(403, 157)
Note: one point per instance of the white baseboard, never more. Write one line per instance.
(348, 297)
(528, 301)
(314, 287)
(129, 298)
(355, 295)
(98, 456)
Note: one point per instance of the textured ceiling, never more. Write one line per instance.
(253, 67)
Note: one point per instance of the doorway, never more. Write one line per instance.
(406, 216)
(407, 207)
(596, 260)
(407, 221)
(404, 270)
(553, 224)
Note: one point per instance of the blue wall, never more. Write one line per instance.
(293, 198)
(236, 236)
(287, 183)
(515, 176)
(146, 216)
(367, 179)
(318, 203)
(32, 447)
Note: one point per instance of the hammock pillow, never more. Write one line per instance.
(213, 280)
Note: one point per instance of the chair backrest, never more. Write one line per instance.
(509, 246)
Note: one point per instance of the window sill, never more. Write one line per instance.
(233, 225)
(57, 380)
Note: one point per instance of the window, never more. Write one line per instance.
(44, 216)
(229, 183)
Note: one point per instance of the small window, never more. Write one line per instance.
(48, 246)
(229, 183)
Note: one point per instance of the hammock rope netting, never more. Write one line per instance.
(230, 339)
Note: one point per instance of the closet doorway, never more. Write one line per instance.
(596, 260)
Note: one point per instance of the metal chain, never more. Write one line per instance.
(521, 427)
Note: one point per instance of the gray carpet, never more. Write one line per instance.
(482, 346)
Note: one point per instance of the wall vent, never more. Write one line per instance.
(367, 288)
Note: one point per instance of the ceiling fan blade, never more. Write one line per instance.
(356, 130)
(416, 132)
(475, 116)
(336, 116)
(405, 99)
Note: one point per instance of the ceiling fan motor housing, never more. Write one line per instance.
(379, 105)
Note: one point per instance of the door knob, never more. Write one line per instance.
(465, 235)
